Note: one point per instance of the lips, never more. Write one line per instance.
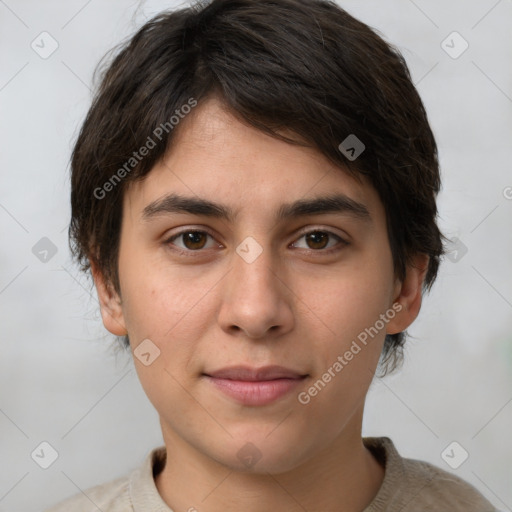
(255, 386)
(244, 373)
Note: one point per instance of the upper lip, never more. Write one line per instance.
(255, 374)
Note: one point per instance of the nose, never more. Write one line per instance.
(256, 299)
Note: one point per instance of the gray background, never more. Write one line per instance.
(60, 380)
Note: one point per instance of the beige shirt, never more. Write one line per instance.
(408, 486)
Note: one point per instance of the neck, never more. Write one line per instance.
(344, 476)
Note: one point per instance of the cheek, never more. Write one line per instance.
(170, 314)
(171, 307)
(349, 336)
(350, 301)
(158, 310)
(348, 350)
(154, 298)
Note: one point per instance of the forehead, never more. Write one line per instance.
(216, 157)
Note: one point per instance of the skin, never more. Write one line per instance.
(296, 305)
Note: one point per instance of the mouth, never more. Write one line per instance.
(255, 386)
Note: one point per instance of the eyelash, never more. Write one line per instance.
(190, 252)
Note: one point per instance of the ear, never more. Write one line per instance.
(110, 303)
(408, 294)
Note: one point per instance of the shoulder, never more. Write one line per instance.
(436, 486)
(412, 485)
(109, 497)
(134, 492)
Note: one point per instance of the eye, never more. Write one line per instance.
(318, 240)
(193, 240)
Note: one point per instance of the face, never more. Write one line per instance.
(219, 298)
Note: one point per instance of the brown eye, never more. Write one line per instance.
(317, 239)
(194, 239)
(321, 241)
(190, 240)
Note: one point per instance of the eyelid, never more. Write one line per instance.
(322, 229)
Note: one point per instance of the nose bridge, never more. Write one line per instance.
(254, 266)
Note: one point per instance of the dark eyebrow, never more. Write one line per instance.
(337, 203)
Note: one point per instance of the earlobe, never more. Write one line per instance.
(110, 303)
(408, 296)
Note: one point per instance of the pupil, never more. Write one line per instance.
(193, 238)
(316, 237)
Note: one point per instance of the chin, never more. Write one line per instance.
(259, 454)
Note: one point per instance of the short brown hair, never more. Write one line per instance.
(306, 66)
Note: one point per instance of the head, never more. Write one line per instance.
(229, 119)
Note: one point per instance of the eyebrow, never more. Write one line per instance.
(336, 203)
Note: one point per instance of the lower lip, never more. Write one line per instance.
(255, 392)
